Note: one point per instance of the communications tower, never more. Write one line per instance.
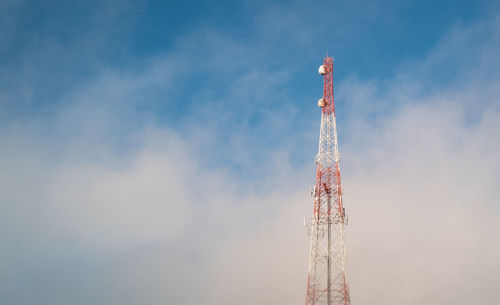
(326, 279)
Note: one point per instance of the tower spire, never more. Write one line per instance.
(326, 280)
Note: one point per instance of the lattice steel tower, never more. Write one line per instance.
(326, 280)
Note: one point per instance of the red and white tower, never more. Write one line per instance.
(326, 280)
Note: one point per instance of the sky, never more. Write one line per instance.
(161, 152)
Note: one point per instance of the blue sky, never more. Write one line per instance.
(52, 50)
(370, 40)
(146, 142)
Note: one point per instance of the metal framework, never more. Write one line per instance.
(326, 280)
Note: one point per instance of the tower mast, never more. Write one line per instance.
(326, 280)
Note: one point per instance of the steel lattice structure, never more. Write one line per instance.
(326, 280)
